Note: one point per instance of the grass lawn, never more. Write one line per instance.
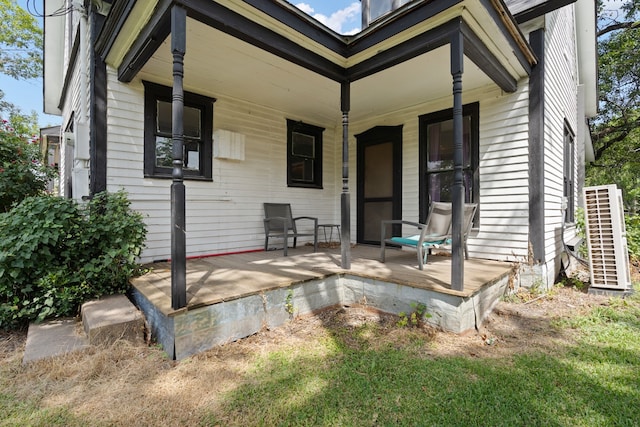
(566, 359)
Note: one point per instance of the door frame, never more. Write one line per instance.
(374, 136)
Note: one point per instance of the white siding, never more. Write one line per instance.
(224, 215)
(504, 178)
(76, 102)
(560, 105)
(504, 170)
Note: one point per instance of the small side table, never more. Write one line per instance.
(330, 227)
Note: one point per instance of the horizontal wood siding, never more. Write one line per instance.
(504, 178)
(503, 231)
(224, 215)
(560, 105)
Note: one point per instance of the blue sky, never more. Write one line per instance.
(342, 16)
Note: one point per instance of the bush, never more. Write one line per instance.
(22, 173)
(632, 224)
(56, 254)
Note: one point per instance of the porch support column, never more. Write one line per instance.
(345, 198)
(457, 193)
(178, 235)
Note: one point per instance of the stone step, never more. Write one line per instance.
(103, 322)
(112, 318)
(53, 338)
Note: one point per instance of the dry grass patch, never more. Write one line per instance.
(345, 366)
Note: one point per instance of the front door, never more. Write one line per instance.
(379, 180)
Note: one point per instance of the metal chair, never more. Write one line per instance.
(279, 223)
(435, 233)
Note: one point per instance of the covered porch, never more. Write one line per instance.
(269, 54)
(233, 296)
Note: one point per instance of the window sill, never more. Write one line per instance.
(185, 177)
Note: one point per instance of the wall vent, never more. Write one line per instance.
(606, 238)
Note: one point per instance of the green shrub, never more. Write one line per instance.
(22, 172)
(55, 254)
(632, 225)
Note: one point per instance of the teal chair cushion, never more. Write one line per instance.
(413, 240)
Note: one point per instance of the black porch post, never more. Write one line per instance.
(457, 193)
(345, 200)
(178, 237)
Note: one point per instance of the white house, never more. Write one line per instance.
(433, 100)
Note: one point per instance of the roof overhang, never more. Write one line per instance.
(53, 56)
(270, 36)
(587, 53)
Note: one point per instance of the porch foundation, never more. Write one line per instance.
(190, 331)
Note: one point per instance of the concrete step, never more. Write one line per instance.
(103, 322)
(52, 338)
(112, 318)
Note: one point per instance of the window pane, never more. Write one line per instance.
(164, 154)
(191, 155)
(192, 122)
(378, 8)
(303, 145)
(440, 144)
(302, 170)
(441, 185)
(163, 117)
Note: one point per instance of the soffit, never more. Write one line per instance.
(138, 17)
(228, 67)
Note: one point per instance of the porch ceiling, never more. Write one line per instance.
(225, 66)
(272, 54)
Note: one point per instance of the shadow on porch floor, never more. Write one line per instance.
(216, 279)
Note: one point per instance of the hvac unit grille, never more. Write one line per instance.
(606, 238)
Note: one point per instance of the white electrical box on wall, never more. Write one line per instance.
(606, 238)
(228, 145)
(81, 136)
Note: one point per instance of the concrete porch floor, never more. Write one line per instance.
(232, 296)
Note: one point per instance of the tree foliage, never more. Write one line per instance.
(23, 172)
(22, 123)
(20, 42)
(616, 129)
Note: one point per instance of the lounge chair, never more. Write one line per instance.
(278, 222)
(435, 233)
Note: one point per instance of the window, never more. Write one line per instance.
(436, 157)
(304, 155)
(158, 144)
(569, 190)
(374, 9)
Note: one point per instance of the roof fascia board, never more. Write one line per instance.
(118, 15)
(217, 16)
(480, 54)
(411, 48)
(379, 32)
(71, 67)
(293, 18)
(540, 9)
(508, 26)
(147, 42)
(53, 57)
(474, 49)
